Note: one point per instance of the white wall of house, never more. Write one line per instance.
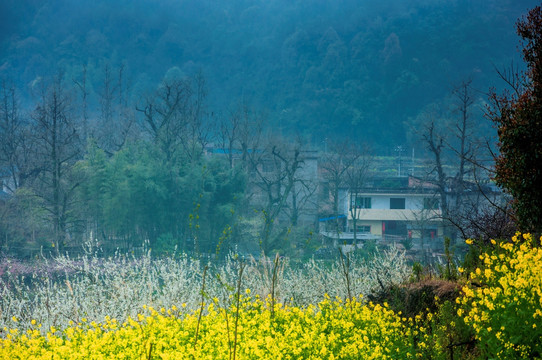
(379, 202)
(415, 202)
(382, 201)
(414, 215)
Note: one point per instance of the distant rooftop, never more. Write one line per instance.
(411, 184)
(403, 184)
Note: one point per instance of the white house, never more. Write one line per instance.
(390, 209)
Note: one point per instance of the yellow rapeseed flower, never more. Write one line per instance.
(507, 298)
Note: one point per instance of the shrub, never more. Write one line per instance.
(503, 306)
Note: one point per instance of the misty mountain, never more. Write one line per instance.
(318, 68)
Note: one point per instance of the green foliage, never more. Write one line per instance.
(518, 119)
(354, 69)
(368, 250)
(166, 244)
(503, 304)
(417, 271)
(138, 194)
(449, 271)
(407, 242)
(476, 248)
(451, 333)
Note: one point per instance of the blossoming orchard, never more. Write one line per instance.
(498, 311)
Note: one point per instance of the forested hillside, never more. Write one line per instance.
(324, 179)
(317, 68)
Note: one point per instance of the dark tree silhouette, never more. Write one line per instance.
(58, 148)
(518, 116)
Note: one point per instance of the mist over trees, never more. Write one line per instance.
(166, 122)
(318, 67)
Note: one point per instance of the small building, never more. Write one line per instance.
(398, 209)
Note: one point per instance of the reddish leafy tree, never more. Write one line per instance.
(518, 116)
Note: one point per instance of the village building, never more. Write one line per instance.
(398, 209)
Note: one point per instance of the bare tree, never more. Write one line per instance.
(197, 133)
(233, 132)
(15, 147)
(240, 133)
(107, 96)
(462, 129)
(173, 116)
(334, 165)
(14, 161)
(116, 122)
(228, 135)
(453, 145)
(274, 172)
(57, 148)
(435, 143)
(303, 200)
(82, 87)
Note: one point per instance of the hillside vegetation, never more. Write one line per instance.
(320, 68)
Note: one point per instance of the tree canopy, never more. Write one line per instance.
(518, 115)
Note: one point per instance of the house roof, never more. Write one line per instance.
(414, 185)
(396, 185)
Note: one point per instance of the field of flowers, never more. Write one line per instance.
(505, 307)
(178, 308)
(62, 290)
(332, 329)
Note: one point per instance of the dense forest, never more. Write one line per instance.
(317, 68)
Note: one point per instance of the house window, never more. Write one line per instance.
(361, 202)
(363, 229)
(430, 204)
(397, 203)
